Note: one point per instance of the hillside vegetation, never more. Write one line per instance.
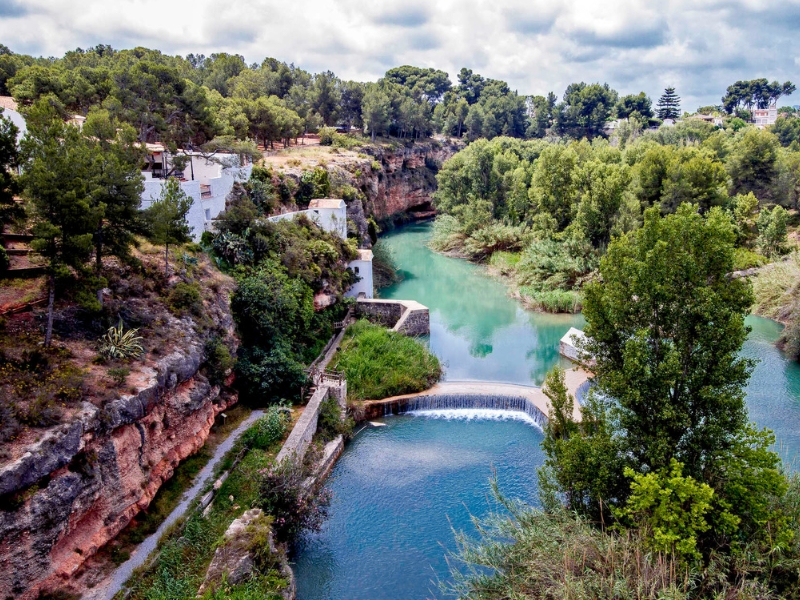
(542, 213)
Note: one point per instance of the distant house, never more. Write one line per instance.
(714, 120)
(9, 106)
(331, 215)
(763, 117)
(207, 181)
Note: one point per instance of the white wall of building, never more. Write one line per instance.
(363, 268)
(208, 191)
(17, 120)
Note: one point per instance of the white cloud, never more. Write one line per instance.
(700, 46)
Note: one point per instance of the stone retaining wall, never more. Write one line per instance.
(405, 316)
(303, 432)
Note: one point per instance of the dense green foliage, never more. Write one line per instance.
(279, 268)
(553, 207)
(379, 363)
(664, 445)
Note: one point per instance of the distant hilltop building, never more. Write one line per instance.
(207, 181)
(331, 215)
(763, 117)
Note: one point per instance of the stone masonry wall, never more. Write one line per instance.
(405, 316)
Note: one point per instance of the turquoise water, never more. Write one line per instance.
(397, 490)
(476, 329)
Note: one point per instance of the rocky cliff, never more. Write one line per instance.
(67, 493)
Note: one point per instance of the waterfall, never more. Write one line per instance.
(471, 401)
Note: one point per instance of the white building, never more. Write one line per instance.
(9, 106)
(570, 345)
(362, 267)
(762, 117)
(207, 182)
(331, 215)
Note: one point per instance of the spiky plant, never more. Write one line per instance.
(120, 344)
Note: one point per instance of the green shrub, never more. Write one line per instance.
(505, 262)
(185, 296)
(379, 363)
(331, 423)
(120, 344)
(326, 136)
(268, 429)
(218, 362)
(554, 301)
(375, 166)
(747, 259)
(119, 374)
(4, 261)
(384, 268)
(496, 237)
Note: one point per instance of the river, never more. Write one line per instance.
(398, 490)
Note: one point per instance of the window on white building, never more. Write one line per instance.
(208, 214)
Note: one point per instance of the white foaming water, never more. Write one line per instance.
(475, 414)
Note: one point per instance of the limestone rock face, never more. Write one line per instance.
(77, 487)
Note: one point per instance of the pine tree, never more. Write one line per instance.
(669, 105)
(57, 179)
(167, 218)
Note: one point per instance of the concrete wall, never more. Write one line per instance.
(303, 432)
(17, 120)
(405, 316)
(332, 220)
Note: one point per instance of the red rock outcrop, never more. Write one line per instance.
(82, 482)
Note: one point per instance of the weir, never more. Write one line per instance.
(467, 401)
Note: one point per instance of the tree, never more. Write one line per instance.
(753, 163)
(756, 93)
(666, 326)
(57, 180)
(585, 109)
(167, 218)
(772, 231)
(669, 105)
(636, 106)
(9, 159)
(326, 97)
(375, 110)
(117, 187)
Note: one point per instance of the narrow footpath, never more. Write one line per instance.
(114, 583)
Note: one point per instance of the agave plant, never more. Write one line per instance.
(119, 344)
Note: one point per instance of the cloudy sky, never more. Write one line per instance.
(698, 46)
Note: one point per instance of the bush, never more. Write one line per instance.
(219, 361)
(331, 423)
(553, 301)
(4, 261)
(119, 375)
(384, 268)
(283, 496)
(326, 136)
(185, 296)
(267, 430)
(747, 259)
(495, 238)
(379, 363)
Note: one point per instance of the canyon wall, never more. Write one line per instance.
(81, 483)
(407, 177)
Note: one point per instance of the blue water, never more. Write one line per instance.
(397, 490)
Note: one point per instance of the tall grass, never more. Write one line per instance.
(777, 288)
(384, 267)
(553, 301)
(379, 363)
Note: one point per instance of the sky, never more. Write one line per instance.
(698, 46)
